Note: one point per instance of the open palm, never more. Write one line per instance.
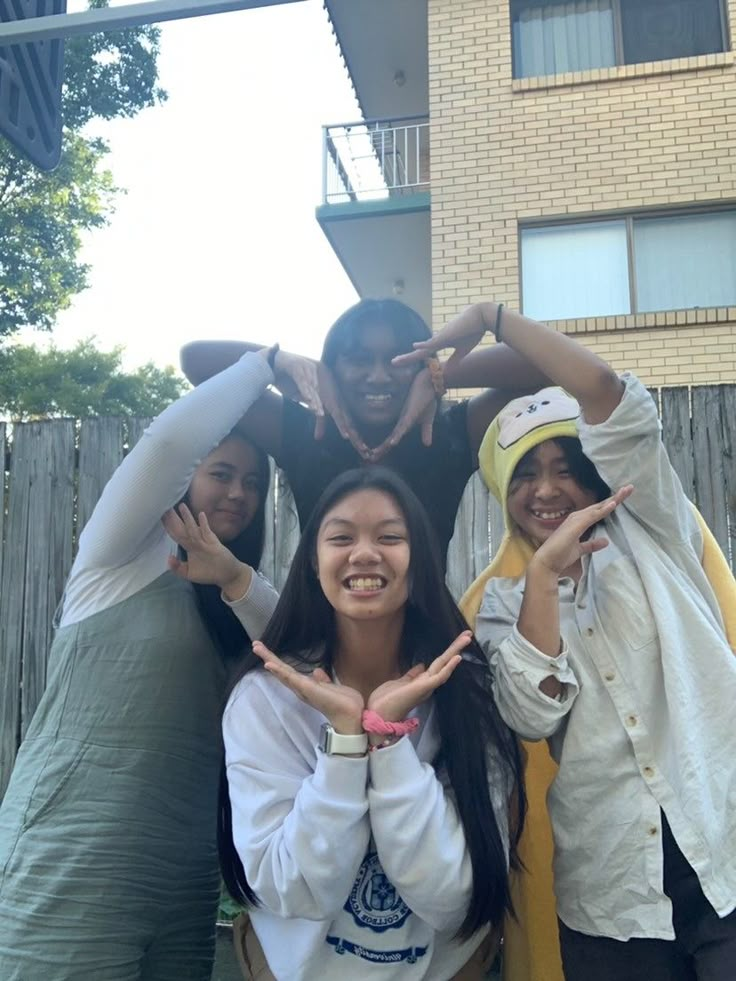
(563, 548)
(394, 700)
(341, 706)
(208, 560)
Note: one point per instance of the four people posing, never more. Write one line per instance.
(374, 795)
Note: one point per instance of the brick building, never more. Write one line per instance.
(577, 160)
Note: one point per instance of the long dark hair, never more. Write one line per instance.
(223, 626)
(345, 333)
(303, 630)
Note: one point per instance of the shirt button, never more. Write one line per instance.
(631, 721)
(609, 676)
(588, 631)
(648, 772)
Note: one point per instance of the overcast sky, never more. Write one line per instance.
(216, 235)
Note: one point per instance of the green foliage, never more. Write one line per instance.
(110, 75)
(80, 382)
(43, 215)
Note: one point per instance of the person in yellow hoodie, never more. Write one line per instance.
(606, 617)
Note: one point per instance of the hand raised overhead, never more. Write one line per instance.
(462, 333)
(297, 377)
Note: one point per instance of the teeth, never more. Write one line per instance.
(377, 398)
(549, 515)
(365, 583)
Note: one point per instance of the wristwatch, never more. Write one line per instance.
(339, 744)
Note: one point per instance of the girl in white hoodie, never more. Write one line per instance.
(370, 777)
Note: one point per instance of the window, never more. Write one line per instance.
(550, 38)
(635, 264)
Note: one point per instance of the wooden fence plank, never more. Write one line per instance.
(100, 453)
(496, 523)
(460, 550)
(267, 565)
(677, 435)
(710, 484)
(3, 498)
(286, 531)
(136, 428)
(48, 551)
(728, 421)
(481, 527)
(11, 599)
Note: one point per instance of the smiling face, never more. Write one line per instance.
(372, 389)
(543, 492)
(363, 556)
(226, 486)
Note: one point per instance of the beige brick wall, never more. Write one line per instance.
(684, 356)
(504, 150)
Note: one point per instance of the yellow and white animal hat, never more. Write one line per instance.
(519, 427)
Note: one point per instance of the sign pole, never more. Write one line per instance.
(34, 29)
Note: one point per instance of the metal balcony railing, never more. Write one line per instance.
(374, 159)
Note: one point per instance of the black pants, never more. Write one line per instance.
(704, 948)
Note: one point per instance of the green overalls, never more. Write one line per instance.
(108, 858)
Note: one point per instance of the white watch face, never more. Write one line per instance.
(338, 744)
(324, 737)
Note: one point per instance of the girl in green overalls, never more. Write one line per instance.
(108, 858)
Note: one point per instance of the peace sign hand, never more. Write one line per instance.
(564, 547)
(341, 706)
(394, 700)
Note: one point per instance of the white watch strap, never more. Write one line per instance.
(340, 744)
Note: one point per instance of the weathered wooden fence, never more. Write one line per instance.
(56, 471)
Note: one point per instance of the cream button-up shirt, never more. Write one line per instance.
(646, 720)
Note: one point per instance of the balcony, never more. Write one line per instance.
(375, 159)
(375, 207)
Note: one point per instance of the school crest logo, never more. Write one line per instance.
(373, 901)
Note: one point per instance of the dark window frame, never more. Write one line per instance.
(629, 218)
(516, 6)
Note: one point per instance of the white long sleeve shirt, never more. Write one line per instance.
(124, 546)
(646, 722)
(360, 865)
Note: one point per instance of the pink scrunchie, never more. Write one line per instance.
(372, 722)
